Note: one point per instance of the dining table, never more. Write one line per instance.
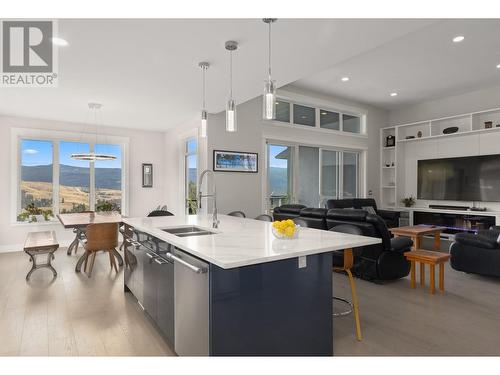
(78, 221)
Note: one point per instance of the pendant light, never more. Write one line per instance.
(231, 126)
(92, 156)
(269, 97)
(204, 115)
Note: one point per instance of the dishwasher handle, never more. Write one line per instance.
(186, 264)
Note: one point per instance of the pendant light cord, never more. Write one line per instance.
(269, 40)
(231, 74)
(204, 87)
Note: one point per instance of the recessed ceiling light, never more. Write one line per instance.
(458, 39)
(59, 42)
(344, 79)
(498, 66)
(394, 94)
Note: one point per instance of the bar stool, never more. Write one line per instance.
(343, 261)
(237, 214)
(264, 217)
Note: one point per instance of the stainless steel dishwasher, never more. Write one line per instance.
(191, 283)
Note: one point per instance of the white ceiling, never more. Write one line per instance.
(146, 75)
(419, 66)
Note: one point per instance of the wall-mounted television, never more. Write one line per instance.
(471, 178)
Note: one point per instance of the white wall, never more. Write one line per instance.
(448, 106)
(244, 191)
(144, 147)
(454, 146)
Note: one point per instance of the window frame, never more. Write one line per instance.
(317, 126)
(19, 134)
(186, 154)
(360, 166)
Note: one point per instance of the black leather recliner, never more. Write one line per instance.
(287, 211)
(383, 261)
(477, 253)
(391, 218)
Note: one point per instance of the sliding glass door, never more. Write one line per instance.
(279, 175)
(350, 173)
(310, 175)
(329, 177)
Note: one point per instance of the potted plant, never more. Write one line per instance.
(408, 201)
(34, 214)
(105, 206)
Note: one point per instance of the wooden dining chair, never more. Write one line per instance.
(100, 237)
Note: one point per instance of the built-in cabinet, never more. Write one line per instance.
(473, 134)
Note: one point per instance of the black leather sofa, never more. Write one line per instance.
(477, 253)
(287, 211)
(391, 218)
(383, 261)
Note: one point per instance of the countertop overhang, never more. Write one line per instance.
(242, 242)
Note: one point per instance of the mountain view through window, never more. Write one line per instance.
(37, 171)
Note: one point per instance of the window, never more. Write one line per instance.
(279, 178)
(319, 117)
(351, 124)
(329, 120)
(108, 177)
(310, 175)
(303, 115)
(36, 182)
(191, 175)
(74, 178)
(51, 182)
(350, 174)
(282, 111)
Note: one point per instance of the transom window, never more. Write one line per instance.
(318, 117)
(51, 182)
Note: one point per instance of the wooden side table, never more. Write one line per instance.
(432, 258)
(417, 232)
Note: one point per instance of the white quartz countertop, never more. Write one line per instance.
(242, 242)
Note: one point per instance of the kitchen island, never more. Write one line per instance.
(234, 290)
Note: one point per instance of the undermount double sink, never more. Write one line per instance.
(188, 231)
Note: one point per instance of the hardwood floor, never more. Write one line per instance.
(397, 320)
(75, 315)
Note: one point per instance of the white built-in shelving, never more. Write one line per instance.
(466, 124)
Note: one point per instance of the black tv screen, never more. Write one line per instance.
(471, 178)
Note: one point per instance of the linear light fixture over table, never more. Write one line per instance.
(92, 156)
(231, 125)
(269, 97)
(204, 116)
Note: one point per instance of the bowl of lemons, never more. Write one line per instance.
(285, 229)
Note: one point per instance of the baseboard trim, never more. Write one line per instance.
(11, 248)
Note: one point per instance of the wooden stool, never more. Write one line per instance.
(346, 267)
(432, 258)
(38, 243)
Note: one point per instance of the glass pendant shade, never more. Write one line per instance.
(231, 116)
(92, 156)
(269, 100)
(203, 127)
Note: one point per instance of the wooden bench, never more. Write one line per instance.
(432, 258)
(41, 243)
